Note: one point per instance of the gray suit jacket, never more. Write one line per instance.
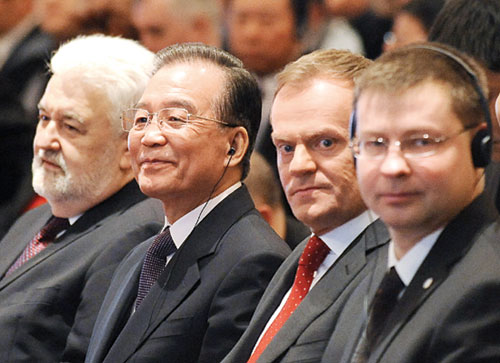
(203, 300)
(304, 336)
(449, 312)
(48, 305)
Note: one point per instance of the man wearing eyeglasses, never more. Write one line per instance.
(188, 294)
(422, 141)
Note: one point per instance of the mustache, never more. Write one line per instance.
(54, 157)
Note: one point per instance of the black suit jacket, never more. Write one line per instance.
(449, 312)
(23, 78)
(203, 300)
(24, 73)
(48, 305)
(304, 336)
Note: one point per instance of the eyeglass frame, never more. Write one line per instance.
(150, 116)
(355, 142)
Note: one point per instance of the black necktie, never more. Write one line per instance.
(383, 304)
(154, 263)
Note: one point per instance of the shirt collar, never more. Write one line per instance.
(341, 237)
(183, 227)
(407, 267)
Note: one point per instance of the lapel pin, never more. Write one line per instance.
(428, 283)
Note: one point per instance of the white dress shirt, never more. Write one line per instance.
(183, 227)
(407, 266)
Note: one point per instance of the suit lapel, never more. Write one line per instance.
(181, 275)
(15, 243)
(88, 222)
(450, 247)
(327, 290)
(116, 307)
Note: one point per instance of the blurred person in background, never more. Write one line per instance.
(24, 52)
(375, 22)
(265, 189)
(61, 18)
(165, 22)
(329, 30)
(473, 27)
(412, 23)
(110, 17)
(266, 36)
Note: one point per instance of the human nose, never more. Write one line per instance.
(302, 162)
(153, 134)
(47, 136)
(394, 163)
(250, 30)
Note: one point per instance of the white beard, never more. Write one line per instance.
(67, 185)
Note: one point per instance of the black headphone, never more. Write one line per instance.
(231, 151)
(481, 143)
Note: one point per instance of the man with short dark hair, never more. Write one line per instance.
(421, 146)
(188, 294)
(57, 260)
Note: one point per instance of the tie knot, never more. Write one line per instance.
(391, 284)
(53, 228)
(163, 245)
(314, 253)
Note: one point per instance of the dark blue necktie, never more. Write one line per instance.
(154, 263)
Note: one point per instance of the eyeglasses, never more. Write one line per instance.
(413, 147)
(171, 118)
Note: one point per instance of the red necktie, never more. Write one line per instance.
(312, 256)
(47, 234)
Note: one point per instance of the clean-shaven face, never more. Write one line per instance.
(310, 132)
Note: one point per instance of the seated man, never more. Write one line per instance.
(422, 140)
(188, 294)
(310, 120)
(57, 260)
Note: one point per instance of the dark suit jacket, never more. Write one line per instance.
(48, 305)
(203, 300)
(449, 312)
(23, 78)
(304, 336)
(24, 73)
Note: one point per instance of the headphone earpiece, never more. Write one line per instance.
(352, 124)
(481, 148)
(352, 128)
(231, 151)
(481, 144)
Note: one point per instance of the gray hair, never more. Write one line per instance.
(117, 69)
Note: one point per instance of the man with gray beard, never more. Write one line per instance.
(57, 260)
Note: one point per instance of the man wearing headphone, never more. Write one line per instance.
(189, 293)
(422, 140)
